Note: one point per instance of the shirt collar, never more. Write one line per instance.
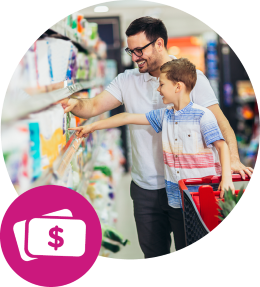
(185, 110)
(148, 77)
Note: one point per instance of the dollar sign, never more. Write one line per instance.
(58, 240)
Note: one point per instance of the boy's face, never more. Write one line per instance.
(167, 89)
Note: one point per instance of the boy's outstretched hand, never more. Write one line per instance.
(83, 131)
(225, 184)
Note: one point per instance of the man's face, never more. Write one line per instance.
(150, 60)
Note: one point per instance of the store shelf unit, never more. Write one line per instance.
(43, 100)
(56, 171)
(70, 33)
(38, 147)
(89, 167)
(247, 128)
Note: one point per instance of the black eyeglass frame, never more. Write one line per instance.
(128, 51)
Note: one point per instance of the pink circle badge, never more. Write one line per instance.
(50, 236)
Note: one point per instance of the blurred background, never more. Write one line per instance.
(80, 56)
(191, 38)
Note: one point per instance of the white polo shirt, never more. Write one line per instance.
(138, 92)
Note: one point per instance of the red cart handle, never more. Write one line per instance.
(208, 179)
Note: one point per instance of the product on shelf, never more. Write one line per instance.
(93, 28)
(46, 152)
(52, 135)
(62, 58)
(67, 179)
(93, 64)
(77, 162)
(245, 89)
(77, 28)
(83, 66)
(112, 239)
(35, 149)
(17, 155)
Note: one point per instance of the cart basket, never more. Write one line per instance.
(200, 209)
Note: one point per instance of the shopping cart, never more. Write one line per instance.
(200, 209)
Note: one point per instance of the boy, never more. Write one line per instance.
(190, 133)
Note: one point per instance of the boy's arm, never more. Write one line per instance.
(112, 122)
(121, 120)
(224, 156)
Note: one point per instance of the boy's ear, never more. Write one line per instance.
(180, 86)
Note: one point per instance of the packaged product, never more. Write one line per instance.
(17, 155)
(92, 67)
(77, 162)
(66, 120)
(72, 64)
(75, 180)
(63, 59)
(67, 178)
(43, 65)
(52, 135)
(93, 33)
(82, 66)
(112, 239)
(31, 66)
(101, 66)
(35, 149)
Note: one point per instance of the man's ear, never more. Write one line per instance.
(160, 44)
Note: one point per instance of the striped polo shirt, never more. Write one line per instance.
(187, 137)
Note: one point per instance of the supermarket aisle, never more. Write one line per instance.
(126, 222)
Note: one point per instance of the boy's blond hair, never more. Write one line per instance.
(181, 70)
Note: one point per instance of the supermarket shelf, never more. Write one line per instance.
(67, 153)
(245, 99)
(71, 34)
(241, 118)
(63, 160)
(43, 100)
(46, 178)
(89, 167)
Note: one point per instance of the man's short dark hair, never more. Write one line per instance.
(152, 27)
(180, 70)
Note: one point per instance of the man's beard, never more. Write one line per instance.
(151, 67)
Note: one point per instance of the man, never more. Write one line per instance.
(137, 90)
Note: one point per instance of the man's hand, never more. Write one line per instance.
(68, 104)
(238, 167)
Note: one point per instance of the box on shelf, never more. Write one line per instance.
(52, 133)
(245, 89)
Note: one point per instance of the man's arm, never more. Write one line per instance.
(224, 156)
(112, 122)
(87, 108)
(230, 138)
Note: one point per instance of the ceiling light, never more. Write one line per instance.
(101, 9)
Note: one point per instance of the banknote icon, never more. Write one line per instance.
(54, 234)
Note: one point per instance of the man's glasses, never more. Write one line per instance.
(138, 51)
